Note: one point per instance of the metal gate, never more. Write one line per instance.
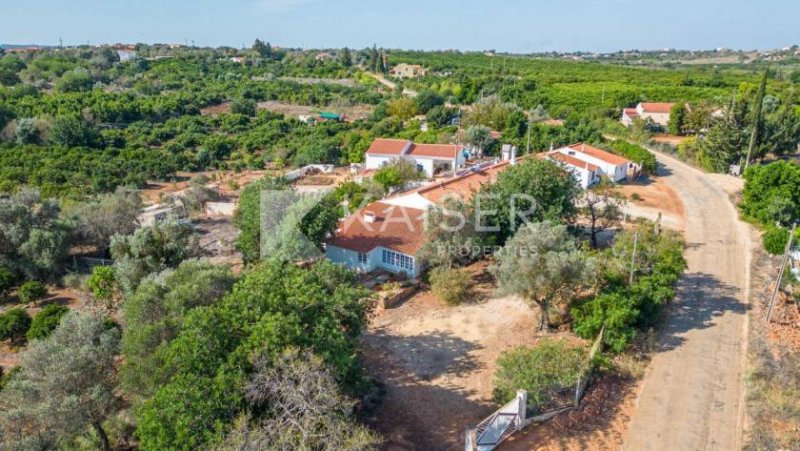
(492, 431)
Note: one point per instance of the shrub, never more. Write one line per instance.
(636, 196)
(32, 291)
(450, 285)
(46, 321)
(103, 283)
(14, 324)
(775, 240)
(6, 280)
(542, 370)
(75, 281)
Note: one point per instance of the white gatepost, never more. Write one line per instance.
(522, 400)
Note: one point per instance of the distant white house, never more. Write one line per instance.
(431, 159)
(404, 70)
(589, 164)
(657, 112)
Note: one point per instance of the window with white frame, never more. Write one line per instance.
(397, 259)
(363, 258)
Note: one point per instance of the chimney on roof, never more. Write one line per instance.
(369, 217)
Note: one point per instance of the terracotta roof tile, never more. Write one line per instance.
(386, 146)
(572, 161)
(435, 150)
(397, 228)
(654, 107)
(600, 154)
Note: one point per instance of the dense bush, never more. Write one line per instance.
(14, 324)
(626, 309)
(635, 153)
(31, 291)
(269, 310)
(544, 370)
(46, 321)
(775, 240)
(772, 193)
(450, 285)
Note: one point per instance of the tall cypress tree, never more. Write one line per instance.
(758, 107)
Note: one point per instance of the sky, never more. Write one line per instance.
(519, 26)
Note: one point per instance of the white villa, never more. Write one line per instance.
(588, 164)
(657, 112)
(432, 159)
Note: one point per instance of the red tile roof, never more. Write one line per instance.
(386, 146)
(600, 154)
(435, 150)
(398, 228)
(463, 186)
(653, 107)
(572, 161)
(631, 112)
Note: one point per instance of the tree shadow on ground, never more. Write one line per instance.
(429, 356)
(417, 414)
(700, 299)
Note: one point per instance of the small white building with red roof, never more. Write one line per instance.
(658, 112)
(431, 159)
(589, 164)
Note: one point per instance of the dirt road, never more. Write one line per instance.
(691, 397)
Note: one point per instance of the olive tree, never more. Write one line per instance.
(66, 386)
(543, 264)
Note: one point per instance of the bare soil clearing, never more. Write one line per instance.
(437, 364)
(655, 195)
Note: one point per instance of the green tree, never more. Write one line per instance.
(758, 108)
(155, 313)
(602, 206)
(103, 284)
(246, 107)
(532, 190)
(772, 193)
(346, 58)
(542, 264)
(397, 174)
(31, 291)
(451, 235)
(96, 221)
(46, 321)
(428, 99)
(151, 249)
(72, 131)
(677, 119)
(248, 216)
(66, 386)
(14, 324)
(7, 280)
(451, 285)
(272, 308)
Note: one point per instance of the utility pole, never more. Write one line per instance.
(528, 148)
(633, 256)
(784, 261)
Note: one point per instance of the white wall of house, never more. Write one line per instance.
(374, 260)
(614, 172)
(583, 176)
(659, 118)
(378, 161)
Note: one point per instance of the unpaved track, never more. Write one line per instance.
(691, 397)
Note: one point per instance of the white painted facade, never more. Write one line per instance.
(428, 165)
(370, 261)
(615, 172)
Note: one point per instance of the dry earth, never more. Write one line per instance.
(691, 396)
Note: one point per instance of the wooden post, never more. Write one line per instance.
(784, 262)
(633, 256)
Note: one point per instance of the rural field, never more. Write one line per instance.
(351, 226)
